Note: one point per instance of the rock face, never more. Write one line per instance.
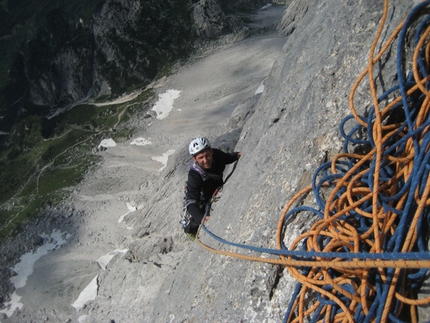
(285, 133)
(209, 19)
(292, 130)
(214, 18)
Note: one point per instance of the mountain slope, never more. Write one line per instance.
(285, 134)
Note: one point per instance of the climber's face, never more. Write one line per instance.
(204, 158)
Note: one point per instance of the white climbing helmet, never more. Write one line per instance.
(197, 145)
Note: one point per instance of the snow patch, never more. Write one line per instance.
(103, 261)
(131, 208)
(163, 158)
(24, 268)
(165, 103)
(88, 294)
(261, 87)
(106, 143)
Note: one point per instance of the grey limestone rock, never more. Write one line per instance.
(293, 129)
(285, 133)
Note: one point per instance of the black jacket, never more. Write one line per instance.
(200, 187)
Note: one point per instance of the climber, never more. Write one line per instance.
(204, 177)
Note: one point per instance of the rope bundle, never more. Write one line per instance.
(367, 256)
(378, 201)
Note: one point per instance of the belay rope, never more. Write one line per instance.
(367, 256)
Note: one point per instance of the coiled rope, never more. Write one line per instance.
(367, 256)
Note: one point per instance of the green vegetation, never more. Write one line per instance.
(49, 157)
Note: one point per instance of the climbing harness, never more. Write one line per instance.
(366, 257)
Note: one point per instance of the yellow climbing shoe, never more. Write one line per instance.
(191, 236)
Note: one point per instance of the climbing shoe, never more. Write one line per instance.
(191, 236)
